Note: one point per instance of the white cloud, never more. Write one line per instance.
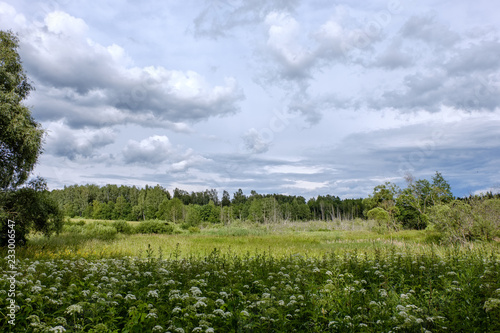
(79, 72)
(255, 142)
(71, 143)
(152, 150)
(62, 23)
(294, 169)
(306, 185)
(10, 18)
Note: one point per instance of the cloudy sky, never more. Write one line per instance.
(278, 96)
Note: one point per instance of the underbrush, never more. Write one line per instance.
(453, 289)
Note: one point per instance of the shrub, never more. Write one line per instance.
(194, 230)
(467, 220)
(486, 217)
(123, 227)
(99, 230)
(154, 227)
(381, 216)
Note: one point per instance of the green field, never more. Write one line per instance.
(298, 277)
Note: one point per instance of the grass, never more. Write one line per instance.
(406, 289)
(294, 277)
(311, 239)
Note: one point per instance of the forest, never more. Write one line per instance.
(112, 202)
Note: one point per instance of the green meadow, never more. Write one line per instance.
(244, 277)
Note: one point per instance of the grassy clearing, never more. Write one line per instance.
(311, 239)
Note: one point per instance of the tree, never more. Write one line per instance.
(380, 215)
(21, 139)
(122, 208)
(226, 199)
(20, 135)
(30, 207)
(441, 190)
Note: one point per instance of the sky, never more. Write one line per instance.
(278, 96)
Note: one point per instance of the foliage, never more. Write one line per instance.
(123, 227)
(114, 202)
(409, 207)
(380, 215)
(92, 230)
(30, 207)
(465, 220)
(154, 227)
(391, 290)
(20, 135)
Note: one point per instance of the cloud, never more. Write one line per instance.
(255, 142)
(481, 56)
(427, 29)
(101, 85)
(431, 90)
(294, 59)
(152, 150)
(187, 161)
(306, 185)
(218, 18)
(294, 169)
(394, 57)
(65, 142)
(10, 18)
(62, 23)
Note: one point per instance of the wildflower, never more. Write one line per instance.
(245, 313)
(219, 312)
(152, 315)
(153, 293)
(200, 304)
(176, 310)
(400, 308)
(57, 329)
(209, 330)
(75, 308)
(157, 328)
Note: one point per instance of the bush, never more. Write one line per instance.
(154, 227)
(194, 230)
(487, 218)
(123, 227)
(467, 220)
(99, 230)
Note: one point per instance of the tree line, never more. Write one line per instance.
(113, 202)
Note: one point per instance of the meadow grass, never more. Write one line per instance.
(311, 239)
(296, 277)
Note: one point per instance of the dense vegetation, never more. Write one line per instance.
(114, 202)
(388, 290)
